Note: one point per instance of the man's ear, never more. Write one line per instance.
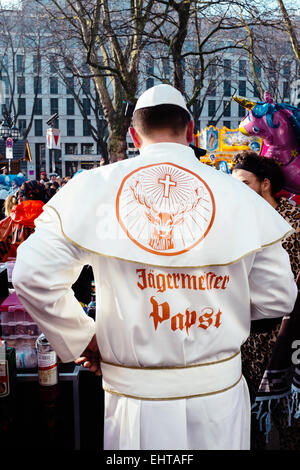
(266, 185)
(135, 137)
(190, 131)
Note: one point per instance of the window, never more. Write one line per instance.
(286, 89)
(71, 149)
(166, 66)
(227, 108)
(4, 62)
(197, 107)
(211, 69)
(227, 88)
(272, 67)
(227, 67)
(5, 85)
(150, 67)
(5, 106)
(149, 83)
(257, 68)
(86, 127)
(286, 70)
(86, 84)
(53, 85)
(86, 106)
(70, 106)
(87, 149)
(211, 107)
(242, 111)
(211, 89)
(22, 126)
(256, 93)
(20, 63)
(37, 85)
(40, 156)
(227, 124)
(21, 85)
(69, 85)
(242, 88)
(70, 127)
(22, 106)
(36, 64)
(53, 105)
(52, 66)
(38, 127)
(101, 113)
(242, 68)
(38, 106)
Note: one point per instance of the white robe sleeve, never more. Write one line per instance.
(273, 290)
(47, 265)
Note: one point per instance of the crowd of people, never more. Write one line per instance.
(22, 206)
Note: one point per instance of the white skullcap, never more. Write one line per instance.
(161, 94)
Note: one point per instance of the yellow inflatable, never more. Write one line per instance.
(222, 144)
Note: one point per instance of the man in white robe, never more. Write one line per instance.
(183, 257)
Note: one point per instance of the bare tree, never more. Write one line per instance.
(83, 90)
(113, 35)
(194, 37)
(290, 28)
(17, 43)
(271, 61)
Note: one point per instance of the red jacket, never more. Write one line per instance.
(15, 228)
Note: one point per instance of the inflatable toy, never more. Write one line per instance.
(278, 124)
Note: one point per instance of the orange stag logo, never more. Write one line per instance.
(165, 209)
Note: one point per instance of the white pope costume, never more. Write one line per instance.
(184, 256)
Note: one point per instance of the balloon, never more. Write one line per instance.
(278, 124)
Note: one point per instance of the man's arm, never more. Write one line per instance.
(47, 266)
(273, 290)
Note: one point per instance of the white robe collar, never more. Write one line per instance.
(165, 208)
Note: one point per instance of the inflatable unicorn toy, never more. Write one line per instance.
(279, 127)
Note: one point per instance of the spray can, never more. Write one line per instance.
(47, 362)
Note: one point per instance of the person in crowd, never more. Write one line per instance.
(176, 284)
(264, 176)
(14, 186)
(58, 181)
(20, 222)
(43, 177)
(4, 170)
(51, 191)
(65, 180)
(10, 202)
(54, 186)
(53, 177)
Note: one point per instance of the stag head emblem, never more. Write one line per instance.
(165, 208)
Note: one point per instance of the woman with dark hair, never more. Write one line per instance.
(15, 228)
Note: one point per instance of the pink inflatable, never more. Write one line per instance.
(279, 127)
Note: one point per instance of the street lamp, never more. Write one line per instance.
(8, 130)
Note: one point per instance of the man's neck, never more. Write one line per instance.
(162, 139)
(271, 200)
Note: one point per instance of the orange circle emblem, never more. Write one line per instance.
(165, 209)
